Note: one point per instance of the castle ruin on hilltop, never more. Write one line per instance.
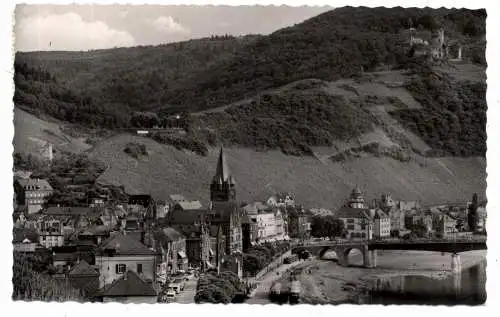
(436, 49)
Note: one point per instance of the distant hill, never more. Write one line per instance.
(333, 45)
(201, 74)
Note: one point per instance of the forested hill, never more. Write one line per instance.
(106, 87)
(333, 45)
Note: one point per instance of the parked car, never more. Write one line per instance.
(188, 276)
(170, 296)
(176, 287)
(180, 282)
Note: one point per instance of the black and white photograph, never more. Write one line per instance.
(285, 155)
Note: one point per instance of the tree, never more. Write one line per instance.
(32, 282)
(326, 226)
(420, 229)
(472, 217)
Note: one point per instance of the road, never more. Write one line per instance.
(187, 295)
(260, 294)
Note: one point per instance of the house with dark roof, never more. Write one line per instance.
(193, 224)
(129, 288)
(142, 204)
(173, 248)
(357, 219)
(84, 277)
(121, 253)
(32, 193)
(25, 240)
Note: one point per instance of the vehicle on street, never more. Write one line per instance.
(180, 282)
(170, 296)
(188, 276)
(176, 287)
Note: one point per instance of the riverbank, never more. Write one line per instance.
(325, 282)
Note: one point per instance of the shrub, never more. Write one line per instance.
(135, 149)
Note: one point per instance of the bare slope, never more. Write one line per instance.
(32, 133)
(166, 171)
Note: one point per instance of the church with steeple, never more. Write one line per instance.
(224, 209)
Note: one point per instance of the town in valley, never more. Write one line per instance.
(162, 204)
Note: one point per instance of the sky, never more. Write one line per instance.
(85, 27)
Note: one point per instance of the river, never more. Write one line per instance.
(401, 277)
(467, 288)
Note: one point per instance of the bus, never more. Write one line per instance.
(275, 291)
(295, 292)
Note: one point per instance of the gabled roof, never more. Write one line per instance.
(124, 245)
(189, 205)
(186, 216)
(21, 234)
(130, 284)
(68, 211)
(168, 234)
(379, 214)
(34, 184)
(348, 212)
(83, 268)
(177, 198)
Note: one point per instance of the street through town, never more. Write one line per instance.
(260, 294)
(187, 295)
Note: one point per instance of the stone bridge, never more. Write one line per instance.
(368, 248)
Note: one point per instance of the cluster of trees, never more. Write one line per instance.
(327, 226)
(218, 289)
(72, 176)
(258, 257)
(32, 281)
(189, 142)
(290, 121)
(453, 118)
(135, 149)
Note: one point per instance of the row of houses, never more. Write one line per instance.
(386, 217)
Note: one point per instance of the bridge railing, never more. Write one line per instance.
(471, 239)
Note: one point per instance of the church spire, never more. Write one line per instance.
(222, 174)
(223, 185)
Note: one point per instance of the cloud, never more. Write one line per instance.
(68, 32)
(168, 25)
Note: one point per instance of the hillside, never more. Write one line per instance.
(165, 171)
(31, 135)
(333, 45)
(319, 180)
(208, 73)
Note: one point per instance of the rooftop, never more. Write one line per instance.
(130, 284)
(34, 184)
(83, 269)
(348, 212)
(124, 245)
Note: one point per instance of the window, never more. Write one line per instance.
(120, 268)
(139, 268)
(350, 227)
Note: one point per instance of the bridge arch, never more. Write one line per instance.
(346, 252)
(328, 249)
